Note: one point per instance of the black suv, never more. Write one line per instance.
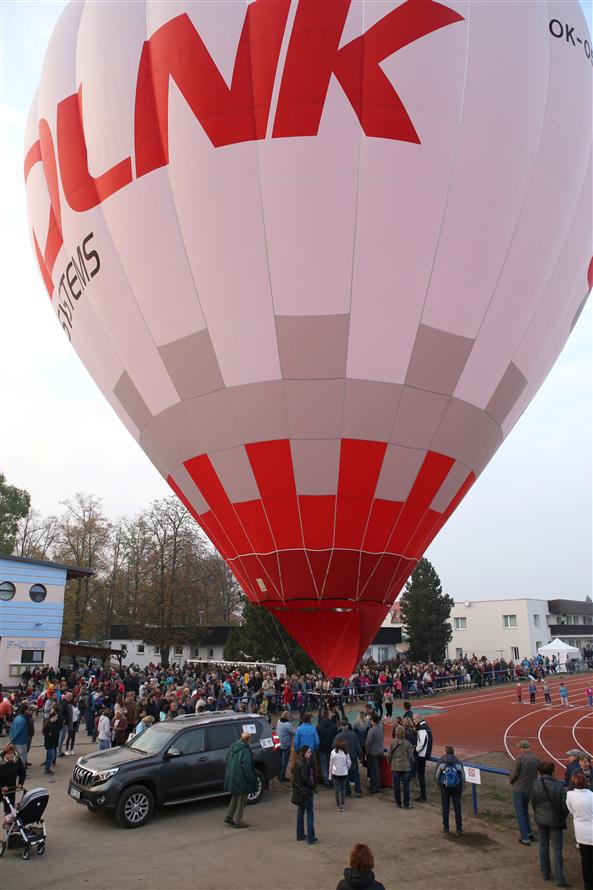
(169, 763)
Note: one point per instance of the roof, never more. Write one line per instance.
(216, 635)
(90, 651)
(386, 635)
(570, 607)
(71, 571)
(557, 646)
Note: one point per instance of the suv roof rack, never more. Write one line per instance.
(212, 715)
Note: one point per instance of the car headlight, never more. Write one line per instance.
(105, 774)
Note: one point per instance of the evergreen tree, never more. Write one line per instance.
(425, 611)
(262, 638)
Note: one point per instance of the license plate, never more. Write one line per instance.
(74, 793)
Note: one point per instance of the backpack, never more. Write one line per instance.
(450, 776)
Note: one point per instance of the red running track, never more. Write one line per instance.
(491, 720)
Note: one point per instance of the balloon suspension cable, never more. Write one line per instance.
(283, 641)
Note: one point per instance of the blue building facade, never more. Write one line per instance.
(31, 613)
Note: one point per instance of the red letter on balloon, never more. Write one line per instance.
(314, 55)
(238, 114)
(81, 190)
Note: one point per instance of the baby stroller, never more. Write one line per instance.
(23, 823)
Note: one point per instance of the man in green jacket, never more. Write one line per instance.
(240, 779)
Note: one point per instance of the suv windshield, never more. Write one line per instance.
(152, 739)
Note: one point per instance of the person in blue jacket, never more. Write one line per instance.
(306, 735)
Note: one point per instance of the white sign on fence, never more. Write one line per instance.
(472, 775)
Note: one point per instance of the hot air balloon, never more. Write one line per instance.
(319, 256)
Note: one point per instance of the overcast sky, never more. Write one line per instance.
(524, 530)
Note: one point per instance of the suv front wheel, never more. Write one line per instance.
(134, 807)
(257, 795)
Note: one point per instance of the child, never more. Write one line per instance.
(589, 694)
(563, 695)
(547, 696)
(518, 689)
(532, 692)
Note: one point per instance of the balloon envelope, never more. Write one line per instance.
(318, 256)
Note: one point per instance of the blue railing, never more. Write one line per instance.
(483, 769)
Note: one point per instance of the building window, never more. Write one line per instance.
(536, 620)
(538, 645)
(38, 593)
(32, 656)
(459, 653)
(460, 623)
(140, 648)
(210, 653)
(178, 650)
(515, 653)
(7, 590)
(509, 620)
(195, 652)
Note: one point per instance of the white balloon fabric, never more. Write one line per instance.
(318, 255)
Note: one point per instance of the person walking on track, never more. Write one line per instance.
(522, 779)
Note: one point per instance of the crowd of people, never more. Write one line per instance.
(342, 749)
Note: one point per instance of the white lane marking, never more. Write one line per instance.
(539, 735)
(580, 720)
(518, 720)
(497, 696)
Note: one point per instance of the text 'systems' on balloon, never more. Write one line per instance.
(319, 256)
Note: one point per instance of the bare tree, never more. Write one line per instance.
(170, 529)
(221, 590)
(82, 540)
(36, 536)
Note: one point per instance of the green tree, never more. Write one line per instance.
(262, 638)
(425, 611)
(14, 505)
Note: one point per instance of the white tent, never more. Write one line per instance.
(563, 651)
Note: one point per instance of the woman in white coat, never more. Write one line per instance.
(580, 804)
(339, 765)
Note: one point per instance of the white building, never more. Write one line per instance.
(386, 643)
(515, 629)
(207, 645)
